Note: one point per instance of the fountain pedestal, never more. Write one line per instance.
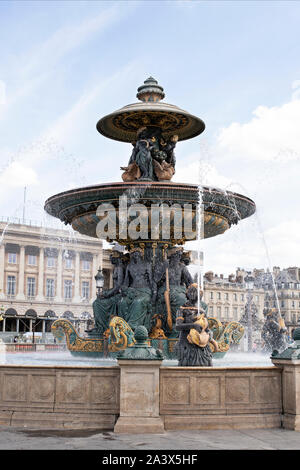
(139, 397)
(289, 361)
(139, 387)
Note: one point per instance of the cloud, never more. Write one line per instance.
(67, 38)
(33, 67)
(17, 175)
(272, 134)
(200, 172)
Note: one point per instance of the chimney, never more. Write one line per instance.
(209, 276)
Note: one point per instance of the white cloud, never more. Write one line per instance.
(272, 134)
(68, 38)
(17, 175)
(34, 67)
(200, 172)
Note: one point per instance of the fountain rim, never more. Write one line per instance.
(152, 184)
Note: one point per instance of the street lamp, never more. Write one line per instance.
(33, 330)
(99, 278)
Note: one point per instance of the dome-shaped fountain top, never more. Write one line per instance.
(150, 112)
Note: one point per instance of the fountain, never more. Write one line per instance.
(138, 320)
(151, 217)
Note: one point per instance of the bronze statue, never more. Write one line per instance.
(174, 273)
(136, 292)
(274, 332)
(152, 157)
(106, 305)
(195, 338)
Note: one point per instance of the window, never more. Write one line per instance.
(242, 297)
(282, 303)
(219, 311)
(32, 260)
(219, 295)
(235, 313)
(50, 262)
(86, 290)
(68, 289)
(211, 310)
(211, 295)
(226, 311)
(50, 289)
(31, 286)
(68, 263)
(11, 285)
(235, 297)
(12, 258)
(226, 295)
(86, 265)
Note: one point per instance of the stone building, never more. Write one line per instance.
(227, 296)
(282, 291)
(47, 273)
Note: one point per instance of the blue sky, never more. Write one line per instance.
(234, 64)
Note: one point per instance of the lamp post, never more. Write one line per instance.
(99, 278)
(33, 331)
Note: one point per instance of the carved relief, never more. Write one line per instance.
(176, 391)
(15, 387)
(267, 390)
(42, 388)
(103, 390)
(208, 391)
(237, 390)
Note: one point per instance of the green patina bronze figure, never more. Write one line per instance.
(106, 304)
(136, 293)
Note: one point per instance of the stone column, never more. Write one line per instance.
(139, 387)
(77, 295)
(2, 268)
(289, 361)
(58, 297)
(20, 295)
(139, 397)
(40, 295)
(290, 393)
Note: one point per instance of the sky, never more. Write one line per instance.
(235, 64)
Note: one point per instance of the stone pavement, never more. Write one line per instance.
(246, 439)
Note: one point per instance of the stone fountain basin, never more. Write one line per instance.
(77, 207)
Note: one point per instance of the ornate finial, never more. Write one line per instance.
(141, 349)
(150, 91)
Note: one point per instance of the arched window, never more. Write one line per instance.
(49, 313)
(11, 312)
(85, 316)
(69, 315)
(31, 313)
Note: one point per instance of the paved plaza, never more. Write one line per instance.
(247, 439)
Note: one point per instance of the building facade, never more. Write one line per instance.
(46, 274)
(282, 291)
